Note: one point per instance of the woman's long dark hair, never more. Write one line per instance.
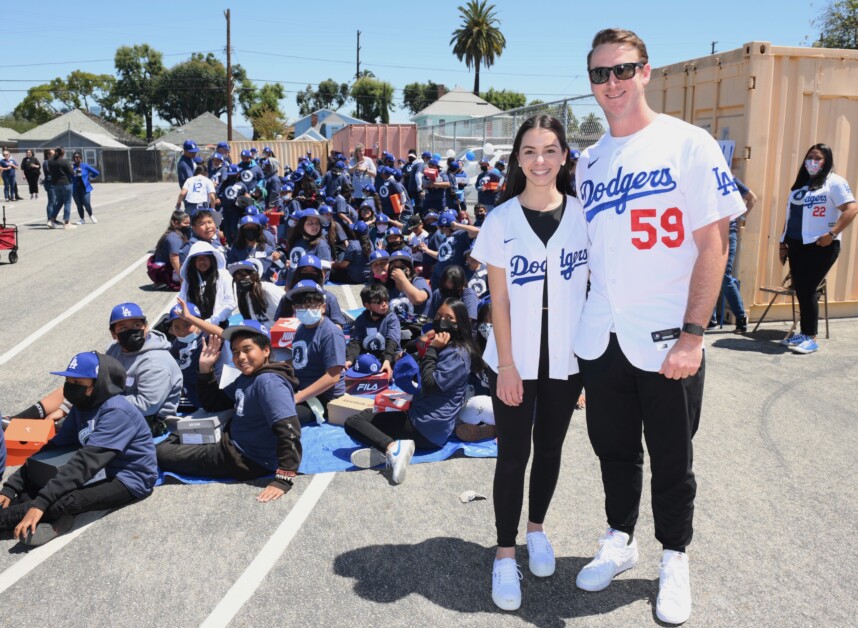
(455, 275)
(205, 300)
(365, 244)
(242, 243)
(255, 295)
(465, 337)
(178, 216)
(297, 233)
(814, 183)
(515, 179)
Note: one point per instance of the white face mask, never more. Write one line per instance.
(813, 166)
(189, 338)
(381, 228)
(308, 316)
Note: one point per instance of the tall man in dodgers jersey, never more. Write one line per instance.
(658, 197)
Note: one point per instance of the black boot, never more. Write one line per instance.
(741, 325)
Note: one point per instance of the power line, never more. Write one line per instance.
(33, 65)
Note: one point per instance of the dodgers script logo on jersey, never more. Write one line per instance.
(623, 188)
(524, 271)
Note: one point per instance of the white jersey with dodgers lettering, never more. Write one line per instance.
(644, 195)
(507, 241)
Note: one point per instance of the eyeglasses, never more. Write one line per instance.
(623, 72)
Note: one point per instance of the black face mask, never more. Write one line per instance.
(244, 284)
(76, 394)
(186, 231)
(443, 325)
(131, 339)
(251, 235)
(431, 228)
(484, 168)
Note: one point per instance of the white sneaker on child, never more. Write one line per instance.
(398, 458)
(673, 605)
(541, 554)
(506, 590)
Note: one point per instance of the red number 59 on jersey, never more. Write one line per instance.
(646, 223)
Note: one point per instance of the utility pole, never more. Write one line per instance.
(228, 80)
(713, 47)
(357, 72)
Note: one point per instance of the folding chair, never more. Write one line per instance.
(786, 289)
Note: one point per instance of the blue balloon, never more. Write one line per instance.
(469, 156)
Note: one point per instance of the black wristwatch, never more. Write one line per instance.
(694, 330)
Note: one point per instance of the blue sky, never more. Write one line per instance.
(306, 42)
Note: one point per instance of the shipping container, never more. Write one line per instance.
(772, 103)
(286, 152)
(376, 138)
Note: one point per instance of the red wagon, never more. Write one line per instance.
(9, 239)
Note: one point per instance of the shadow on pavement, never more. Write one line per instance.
(766, 341)
(456, 575)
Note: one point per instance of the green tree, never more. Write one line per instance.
(591, 126)
(535, 101)
(262, 107)
(193, 87)
(82, 90)
(39, 105)
(373, 100)
(478, 40)
(139, 67)
(504, 99)
(10, 121)
(328, 95)
(417, 96)
(838, 25)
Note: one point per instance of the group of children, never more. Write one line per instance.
(426, 318)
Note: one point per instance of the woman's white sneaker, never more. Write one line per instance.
(673, 605)
(541, 554)
(615, 556)
(398, 457)
(506, 589)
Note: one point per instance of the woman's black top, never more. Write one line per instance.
(60, 171)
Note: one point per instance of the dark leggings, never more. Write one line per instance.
(103, 495)
(543, 417)
(305, 413)
(808, 264)
(217, 460)
(380, 429)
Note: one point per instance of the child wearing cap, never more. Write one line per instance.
(251, 244)
(308, 238)
(486, 185)
(452, 284)
(436, 191)
(318, 351)
(257, 300)
(113, 463)
(354, 267)
(203, 229)
(310, 267)
(439, 388)
(228, 192)
(394, 198)
(331, 226)
(153, 383)
(378, 231)
(164, 265)
(449, 244)
(408, 291)
(188, 330)
(376, 330)
(264, 436)
(206, 282)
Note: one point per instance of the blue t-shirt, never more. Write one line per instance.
(373, 335)
(436, 198)
(171, 245)
(470, 300)
(451, 250)
(399, 302)
(434, 414)
(302, 247)
(119, 426)
(236, 254)
(229, 192)
(316, 350)
(478, 281)
(187, 356)
(358, 270)
(250, 174)
(484, 197)
(260, 402)
(185, 169)
(390, 187)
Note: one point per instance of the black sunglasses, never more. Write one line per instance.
(623, 72)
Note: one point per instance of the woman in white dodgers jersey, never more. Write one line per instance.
(535, 247)
(821, 206)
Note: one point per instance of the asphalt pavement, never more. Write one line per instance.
(774, 457)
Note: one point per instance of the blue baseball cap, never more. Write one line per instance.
(433, 162)
(249, 220)
(246, 153)
(393, 231)
(268, 150)
(430, 216)
(365, 365)
(402, 255)
(447, 218)
(251, 210)
(309, 261)
(304, 286)
(232, 169)
(495, 174)
(340, 164)
(425, 154)
(82, 365)
(369, 187)
(253, 150)
(330, 200)
(217, 156)
(324, 209)
(387, 156)
(223, 145)
(310, 211)
(360, 227)
(500, 162)
(125, 311)
(377, 255)
(397, 173)
(382, 217)
(252, 264)
(406, 375)
(176, 310)
(190, 146)
(287, 186)
(198, 160)
(574, 154)
(246, 326)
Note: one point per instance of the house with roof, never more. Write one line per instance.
(204, 129)
(8, 138)
(457, 104)
(322, 124)
(78, 130)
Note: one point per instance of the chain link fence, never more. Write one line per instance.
(581, 116)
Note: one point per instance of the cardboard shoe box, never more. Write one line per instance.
(201, 427)
(348, 405)
(392, 400)
(369, 385)
(283, 331)
(24, 437)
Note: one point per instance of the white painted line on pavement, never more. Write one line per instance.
(253, 576)
(350, 298)
(116, 200)
(26, 342)
(37, 556)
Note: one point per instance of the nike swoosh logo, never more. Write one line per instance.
(590, 163)
(510, 240)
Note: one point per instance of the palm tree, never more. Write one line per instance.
(478, 40)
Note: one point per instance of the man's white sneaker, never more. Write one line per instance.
(673, 605)
(80, 222)
(506, 590)
(52, 224)
(94, 221)
(541, 554)
(68, 225)
(398, 458)
(615, 556)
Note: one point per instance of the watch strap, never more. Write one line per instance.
(694, 330)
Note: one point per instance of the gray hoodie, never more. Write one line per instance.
(153, 383)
